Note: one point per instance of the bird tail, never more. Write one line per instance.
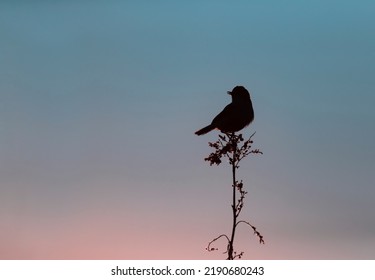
(205, 130)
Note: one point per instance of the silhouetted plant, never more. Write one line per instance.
(229, 146)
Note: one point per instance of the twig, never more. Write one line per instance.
(227, 146)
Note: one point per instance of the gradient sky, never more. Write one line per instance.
(99, 101)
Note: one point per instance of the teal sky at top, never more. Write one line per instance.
(113, 91)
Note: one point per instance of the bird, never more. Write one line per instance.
(235, 116)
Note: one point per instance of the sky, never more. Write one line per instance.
(99, 101)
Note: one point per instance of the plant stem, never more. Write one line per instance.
(231, 241)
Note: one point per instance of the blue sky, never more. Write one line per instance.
(99, 103)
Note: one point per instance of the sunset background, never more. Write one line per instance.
(99, 101)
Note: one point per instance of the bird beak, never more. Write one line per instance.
(229, 92)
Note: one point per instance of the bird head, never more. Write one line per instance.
(239, 93)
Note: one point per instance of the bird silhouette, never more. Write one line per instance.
(235, 115)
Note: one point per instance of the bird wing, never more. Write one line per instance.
(222, 117)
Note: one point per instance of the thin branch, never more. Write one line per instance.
(214, 240)
(256, 232)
